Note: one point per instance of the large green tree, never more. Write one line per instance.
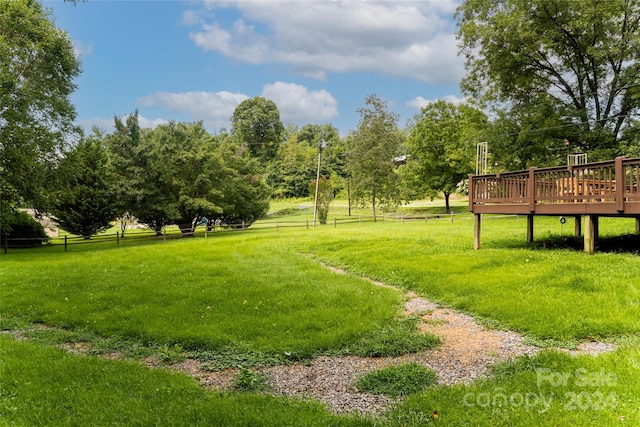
(442, 147)
(126, 167)
(256, 123)
(373, 176)
(83, 203)
(295, 165)
(187, 176)
(578, 60)
(178, 173)
(37, 69)
(245, 194)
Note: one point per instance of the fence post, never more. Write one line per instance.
(6, 245)
(359, 219)
(164, 233)
(451, 217)
(242, 227)
(65, 243)
(426, 218)
(206, 227)
(307, 224)
(335, 222)
(403, 219)
(117, 238)
(276, 225)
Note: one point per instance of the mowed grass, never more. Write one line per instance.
(559, 295)
(43, 386)
(161, 292)
(205, 293)
(551, 389)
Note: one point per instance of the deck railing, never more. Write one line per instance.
(615, 183)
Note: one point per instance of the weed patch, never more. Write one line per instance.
(248, 380)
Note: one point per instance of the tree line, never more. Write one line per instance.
(545, 78)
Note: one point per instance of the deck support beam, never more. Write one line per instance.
(530, 228)
(477, 225)
(637, 225)
(578, 219)
(590, 233)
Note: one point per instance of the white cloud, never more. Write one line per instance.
(213, 108)
(419, 102)
(300, 106)
(403, 39)
(297, 105)
(81, 49)
(106, 124)
(99, 122)
(143, 122)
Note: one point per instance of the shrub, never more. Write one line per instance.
(24, 227)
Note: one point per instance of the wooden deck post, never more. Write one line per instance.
(578, 219)
(471, 192)
(637, 225)
(590, 233)
(530, 228)
(620, 184)
(476, 231)
(532, 189)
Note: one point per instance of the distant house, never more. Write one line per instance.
(400, 160)
(50, 226)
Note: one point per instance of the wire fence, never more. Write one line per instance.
(203, 231)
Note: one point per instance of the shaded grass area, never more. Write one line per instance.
(46, 386)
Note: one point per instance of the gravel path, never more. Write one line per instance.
(467, 351)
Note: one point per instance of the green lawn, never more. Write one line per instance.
(201, 293)
(265, 297)
(548, 294)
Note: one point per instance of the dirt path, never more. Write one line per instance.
(467, 351)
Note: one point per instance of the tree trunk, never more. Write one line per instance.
(349, 194)
(373, 207)
(123, 227)
(446, 203)
(186, 229)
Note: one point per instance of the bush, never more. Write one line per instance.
(22, 226)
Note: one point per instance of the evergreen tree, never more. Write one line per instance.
(83, 204)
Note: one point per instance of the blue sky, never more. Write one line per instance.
(317, 60)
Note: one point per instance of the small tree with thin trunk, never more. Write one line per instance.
(325, 196)
(442, 147)
(374, 177)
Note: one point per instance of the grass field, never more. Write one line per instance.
(266, 297)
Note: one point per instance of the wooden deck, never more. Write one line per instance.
(610, 188)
